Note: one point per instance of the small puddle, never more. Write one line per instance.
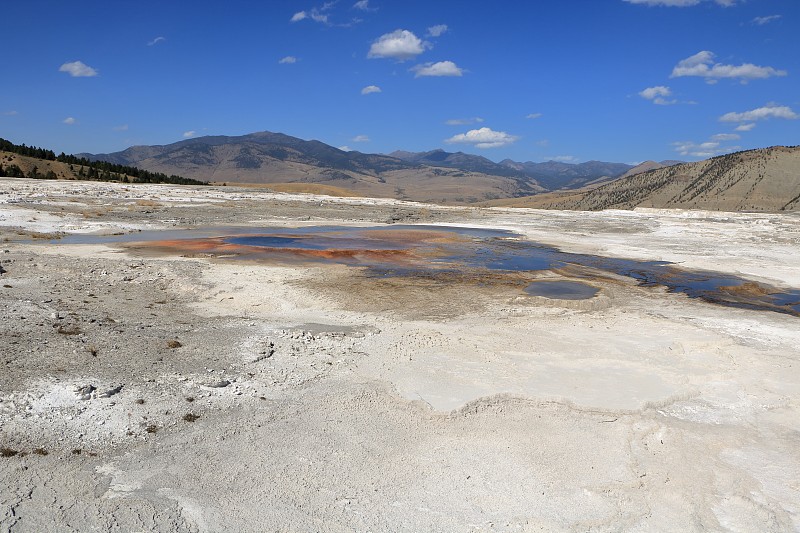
(562, 290)
(448, 253)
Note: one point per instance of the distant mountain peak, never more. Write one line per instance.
(266, 156)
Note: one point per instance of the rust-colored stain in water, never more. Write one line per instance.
(465, 255)
(353, 246)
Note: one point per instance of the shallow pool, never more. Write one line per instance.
(411, 250)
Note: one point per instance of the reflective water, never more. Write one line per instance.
(406, 250)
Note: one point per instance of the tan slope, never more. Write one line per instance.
(766, 179)
(546, 200)
(445, 185)
(301, 188)
(426, 184)
(26, 164)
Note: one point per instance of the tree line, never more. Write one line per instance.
(88, 170)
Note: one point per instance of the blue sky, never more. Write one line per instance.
(571, 80)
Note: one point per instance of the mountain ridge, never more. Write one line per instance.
(269, 157)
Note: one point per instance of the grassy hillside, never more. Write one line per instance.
(20, 161)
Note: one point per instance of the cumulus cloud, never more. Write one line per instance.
(190, 133)
(761, 113)
(710, 148)
(399, 44)
(702, 65)
(706, 149)
(533, 116)
(679, 3)
(288, 60)
(463, 121)
(766, 20)
(317, 14)
(78, 69)
(726, 137)
(564, 158)
(70, 121)
(369, 89)
(345, 148)
(361, 139)
(156, 41)
(483, 138)
(658, 95)
(441, 68)
(436, 31)
(745, 127)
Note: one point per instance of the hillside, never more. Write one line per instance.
(21, 161)
(766, 179)
(275, 158)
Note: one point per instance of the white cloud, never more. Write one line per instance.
(702, 65)
(441, 68)
(11, 113)
(123, 127)
(78, 69)
(658, 95)
(400, 45)
(766, 20)
(564, 158)
(761, 113)
(369, 89)
(190, 133)
(317, 14)
(705, 149)
(361, 139)
(690, 148)
(745, 127)
(652, 92)
(483, 138)
(288, 60)
(679, 3)
(726, 137)
(70, 121)
(533, 116)
(345, 149)
(362, 5)
(463, 121)
(436, 31)
(156, 41)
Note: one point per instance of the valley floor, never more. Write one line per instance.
(143, 392)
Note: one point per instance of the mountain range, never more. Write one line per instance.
(766, 179)
(551, 175)
(275, 158)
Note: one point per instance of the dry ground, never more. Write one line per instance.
(147, 393)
